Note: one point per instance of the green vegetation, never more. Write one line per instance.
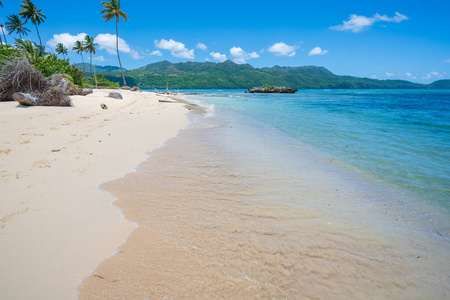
(112, 10)
(228, 75)
(102, 82)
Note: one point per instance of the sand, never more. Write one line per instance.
(56, 226)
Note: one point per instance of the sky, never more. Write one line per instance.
(395, 39)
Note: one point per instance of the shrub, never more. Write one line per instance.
(50, 64)
(18, 75)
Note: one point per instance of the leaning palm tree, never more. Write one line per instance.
(79, 48)
(112, 10)
(2, 29)
(30, 12)
(14, 23)
(30, 49)
(89, 47)
(61, 49)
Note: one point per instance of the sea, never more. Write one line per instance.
(321, 194)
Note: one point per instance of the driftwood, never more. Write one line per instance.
(275, 89)
(25, 99)
(51, 97)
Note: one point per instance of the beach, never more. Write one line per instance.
(56, 225)
(217, 204)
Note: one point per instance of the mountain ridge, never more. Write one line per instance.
(227, 74)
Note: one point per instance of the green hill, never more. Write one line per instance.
(98, 69)
(209, 75)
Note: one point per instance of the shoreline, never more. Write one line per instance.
(208, 227)
(56, 224)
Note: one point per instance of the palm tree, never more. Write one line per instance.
(89, 47)
(2, 28)
(30, 12)
(61, 49)
(79, 49)
(14, 23)
(112, 10)
(30, 48)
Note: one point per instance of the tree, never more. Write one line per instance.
(79, 48)
(112, 10)
(2, 28)
(61, 49)
(30, 12)
(14, 23)
(89, 47)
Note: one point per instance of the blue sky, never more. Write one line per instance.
(376, 39)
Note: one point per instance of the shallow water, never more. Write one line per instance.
(235, 208)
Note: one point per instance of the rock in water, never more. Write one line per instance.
(273, 89)
(115, 95)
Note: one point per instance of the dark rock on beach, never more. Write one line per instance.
(115, 95)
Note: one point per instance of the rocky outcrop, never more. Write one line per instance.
(136, 89)
(275, 89)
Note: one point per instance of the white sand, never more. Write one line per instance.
(55, 225)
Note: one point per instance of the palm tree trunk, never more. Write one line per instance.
(40, 42)
(1, 43)
(84, 69)
(117, 47)
(3, 29)
(90, 70)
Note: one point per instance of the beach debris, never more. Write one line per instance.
(115, 95)
(50, 97)
(18, 75)
(136, 89)
(104, 106)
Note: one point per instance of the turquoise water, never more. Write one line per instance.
(401, 137)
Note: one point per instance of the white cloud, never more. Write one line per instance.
(434, 73)
(389, 74)
(408, 74)
(374, 77)
(107, 41)
(397, 19)
(156, 53)
(218, 57)
(281, 49)
(317, 51)
(446, 61)
(240, 56)
(66, 39)
(177, 49)
(201, 46)
(99, 58)
(358, 23)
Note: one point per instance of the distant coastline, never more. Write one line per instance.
(229, 75)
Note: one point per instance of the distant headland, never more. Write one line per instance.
(229, 75)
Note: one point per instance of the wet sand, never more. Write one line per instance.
(55, 224)
(210, 225)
